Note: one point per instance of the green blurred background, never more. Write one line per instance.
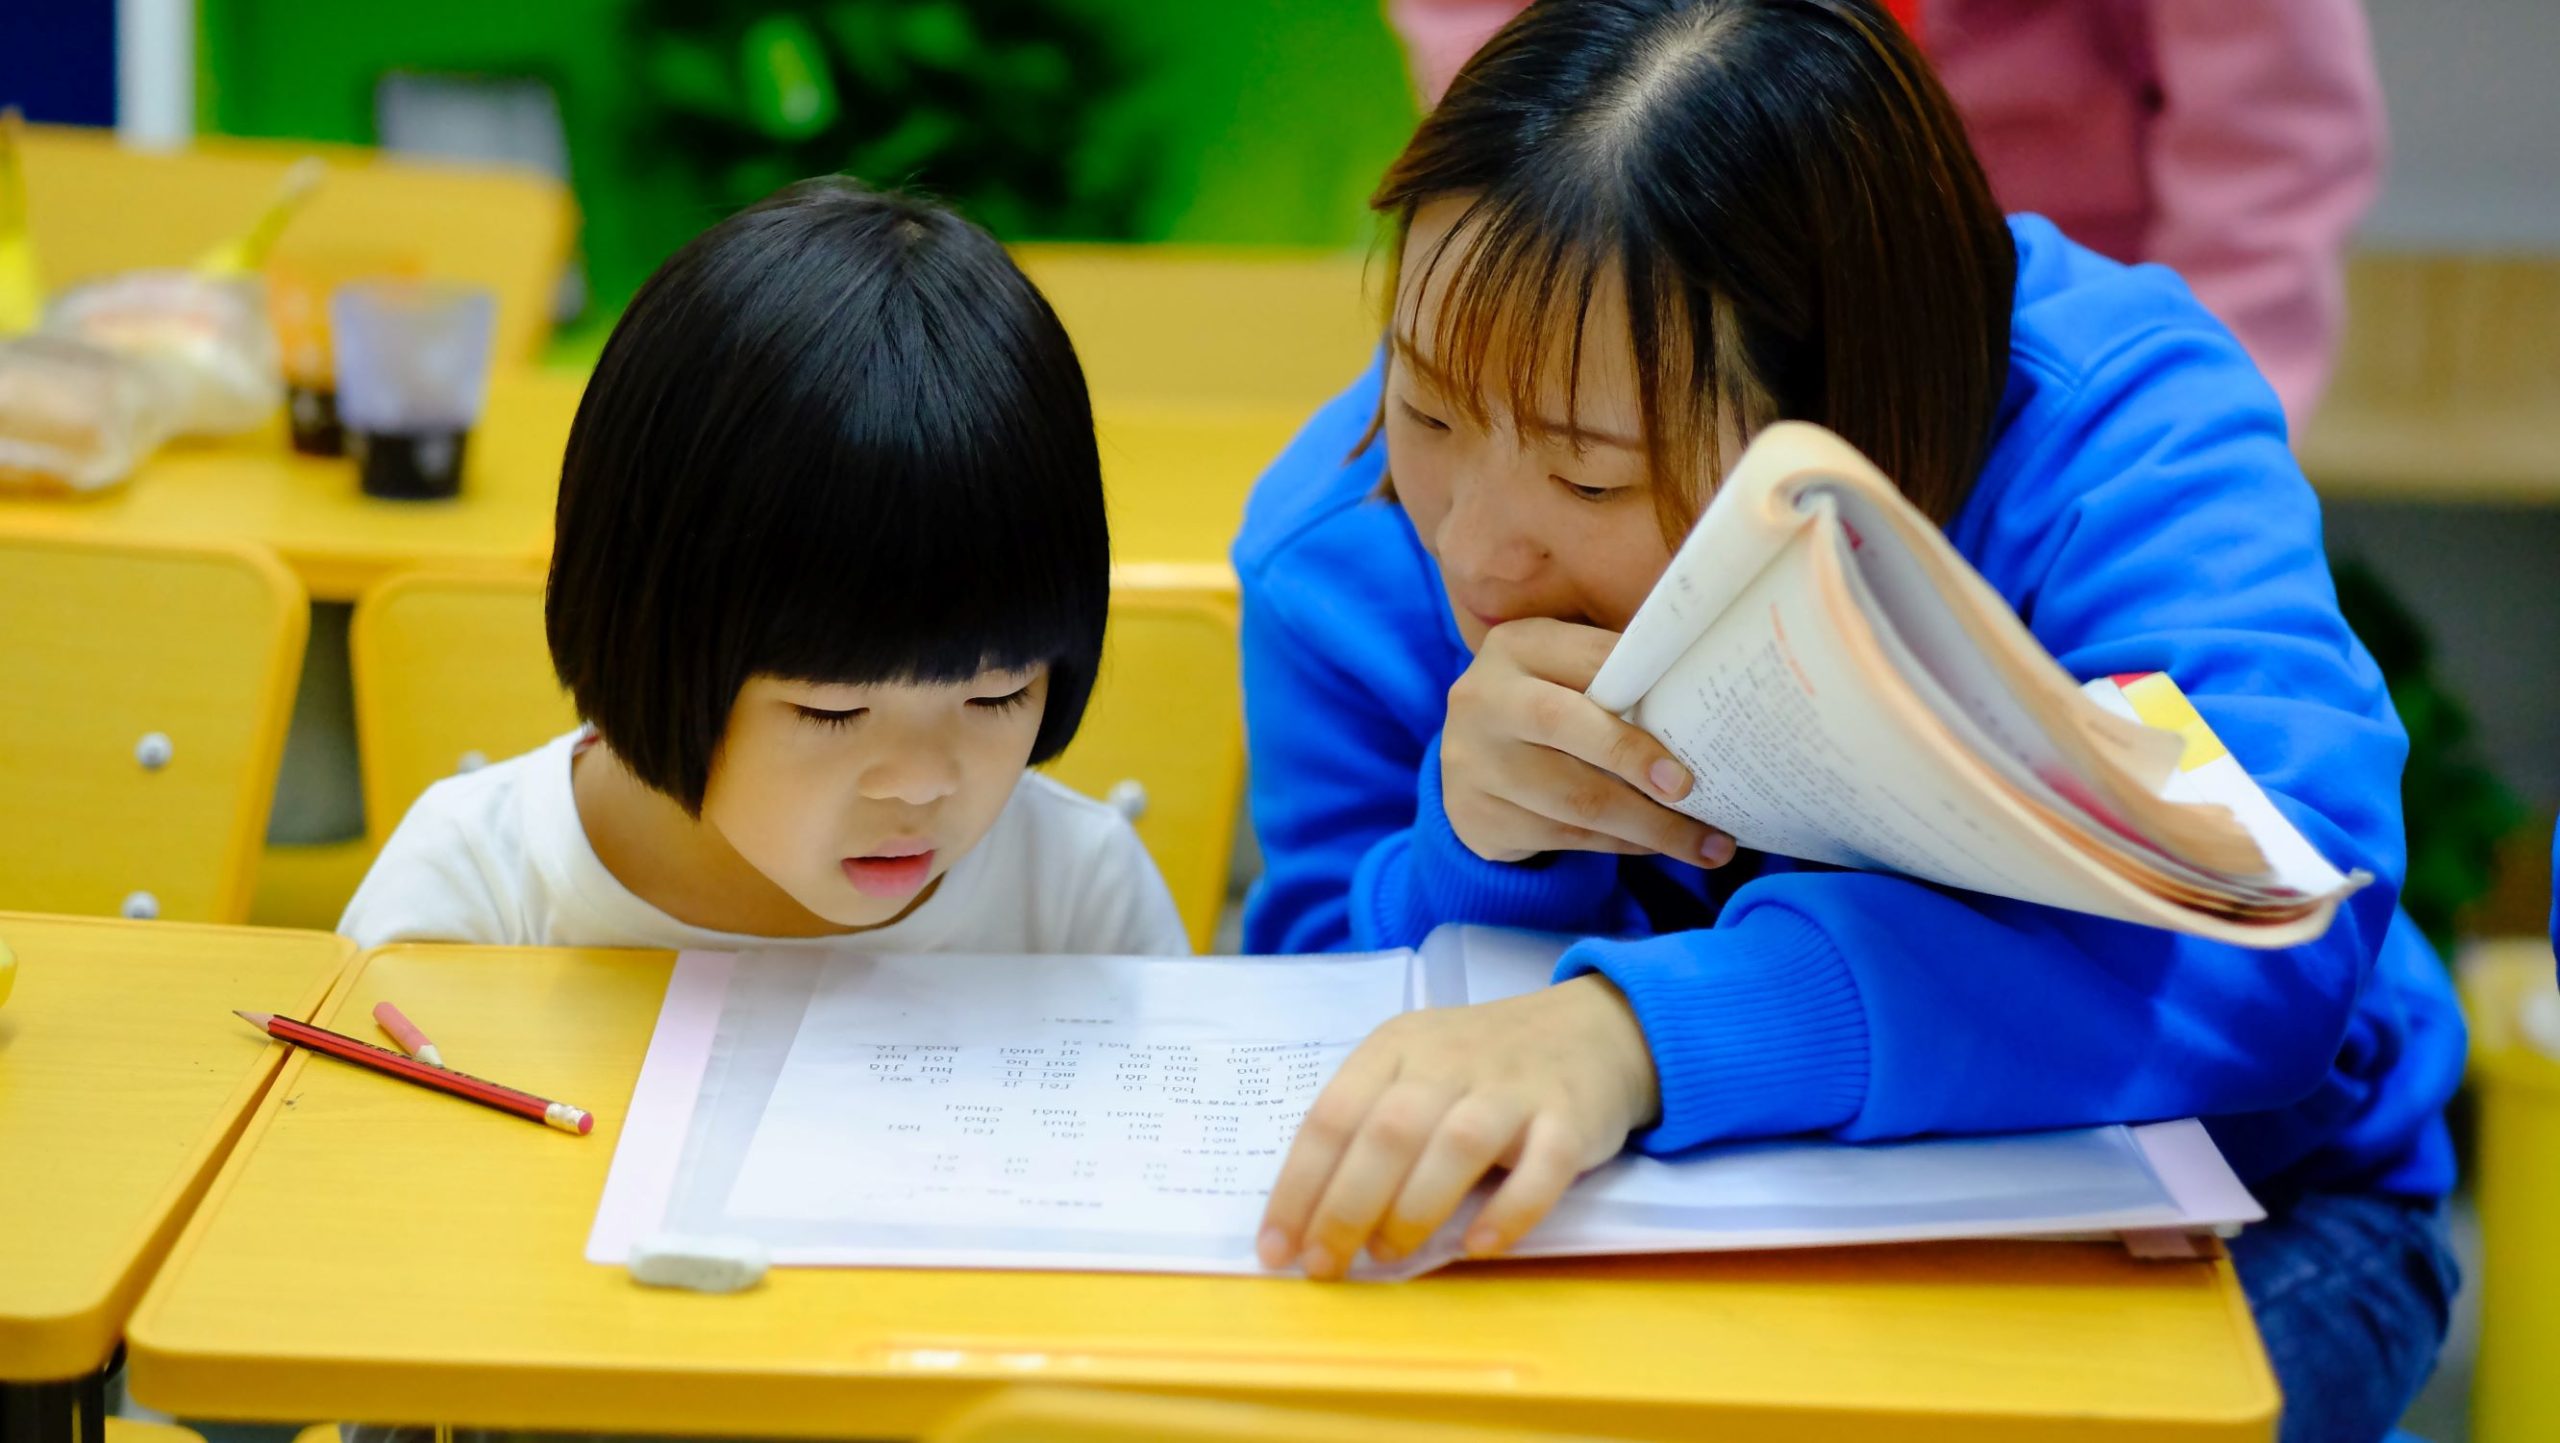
(1257, 122)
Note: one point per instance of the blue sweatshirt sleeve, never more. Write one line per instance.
(1357, 849)
(2143, 515)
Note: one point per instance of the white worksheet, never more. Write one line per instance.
(1158, 1095)
(1130, 1114)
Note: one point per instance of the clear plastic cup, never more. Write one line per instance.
(413, 373)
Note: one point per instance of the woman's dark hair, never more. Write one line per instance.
(837, 438)
(1803, 231)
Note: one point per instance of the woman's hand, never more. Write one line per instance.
(1528, 764)
(1547, 1084)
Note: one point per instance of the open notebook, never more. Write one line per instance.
(1847, 689)
(1130, 1114)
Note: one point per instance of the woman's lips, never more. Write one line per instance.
(889, 876)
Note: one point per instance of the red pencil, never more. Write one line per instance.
(461, 1084)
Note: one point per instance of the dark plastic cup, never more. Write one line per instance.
(413, 373)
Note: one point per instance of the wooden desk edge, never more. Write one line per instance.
(250, 1384)
(78, 1344)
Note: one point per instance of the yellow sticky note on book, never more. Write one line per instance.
(2158, 703)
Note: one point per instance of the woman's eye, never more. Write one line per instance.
(1420, 418)
(1006, 702)
(1587, 493)
(826, 718)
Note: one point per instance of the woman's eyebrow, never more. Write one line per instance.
(1578, 436)
(1543, 427)
(1404, 347)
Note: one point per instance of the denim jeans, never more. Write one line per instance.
(2352, 1292)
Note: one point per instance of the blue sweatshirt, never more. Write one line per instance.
(2141, 510)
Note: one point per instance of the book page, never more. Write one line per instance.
(1796, 751)
(1122, 1109)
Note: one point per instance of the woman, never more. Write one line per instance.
(2237, 144)
(1633, 233)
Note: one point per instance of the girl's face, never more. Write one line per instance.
(855, 799)
(1526, 515)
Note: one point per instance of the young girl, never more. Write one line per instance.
(1633, 233)
(830, 573)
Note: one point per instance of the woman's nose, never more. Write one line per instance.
(1483, 538)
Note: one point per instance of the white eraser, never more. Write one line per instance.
(705, 1265)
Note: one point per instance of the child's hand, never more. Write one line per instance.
(1547, 1085)
(1528, 764)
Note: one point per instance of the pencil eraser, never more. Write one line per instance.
(702, 1264)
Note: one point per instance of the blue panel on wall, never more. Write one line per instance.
(58, 60)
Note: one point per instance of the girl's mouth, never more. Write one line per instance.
(889, 876)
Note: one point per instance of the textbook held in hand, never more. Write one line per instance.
(1846, 689)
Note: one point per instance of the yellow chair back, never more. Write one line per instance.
(2515, 1081)
(1061, 1415)
(1197, 324)
(1164, 732)
(452, 670)
(96, 207)
(148, 687)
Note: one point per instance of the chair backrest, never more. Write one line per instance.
(97, 207)
(452, 670)
(1164, 733)
(1062, 1415)
(1190, 324)
(147, 690)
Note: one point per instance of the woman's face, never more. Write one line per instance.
(1526, 515)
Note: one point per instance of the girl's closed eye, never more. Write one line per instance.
(1006, 702)
(1581, 492)
(830, 718)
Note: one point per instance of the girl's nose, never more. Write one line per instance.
(918, 773)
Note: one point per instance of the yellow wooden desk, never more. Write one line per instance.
(1217, 324)
(432, 1253)
(307, 509)
(123, 1081)
(1176, 476)
(2448, 387)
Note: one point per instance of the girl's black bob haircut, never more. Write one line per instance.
(837, 438)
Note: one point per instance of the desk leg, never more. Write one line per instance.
(36, 1412)
(74, 1412)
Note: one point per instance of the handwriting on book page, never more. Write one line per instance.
(983, 1112)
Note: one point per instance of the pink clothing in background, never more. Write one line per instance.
(2238, 141)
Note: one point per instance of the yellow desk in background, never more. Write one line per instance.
(308, 511)
(1176, 476)
(433, 1251)
(124, 1079)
